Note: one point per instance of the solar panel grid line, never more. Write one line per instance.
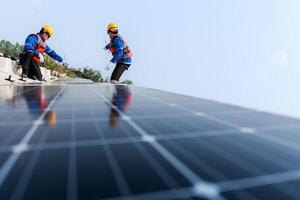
(10, 162)
(132, 139)
(195, 112)
(141, 105)
(13, 135)
(8, 148)
(78, 100)
(22, 92)
(25, 110)
(208, 169)
(13, 123)
(134, 116)
(289, 191)
(196, 134)
(276, 140)
(188, 173)
(172, 136)
(278, 127)
(260, 134)
(282, 162)
(20, 189)
(257, 181)
(116, 170)
(38, 122)
(72, 144)
(159, 169)
(72, 168)
(191, 157)
(157, 115)
(169, 136)
(247, 166)
(264, 136)
(104, 119)
(173, 96)
(182, 193)
(167, 179)
(244, 164)
(229, 112)
(263, 128)
(291, 126)
(154, 116)
(269, 173)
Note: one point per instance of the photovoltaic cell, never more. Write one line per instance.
(102, 141)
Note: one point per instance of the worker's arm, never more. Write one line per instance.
(119, 46)
(53, 54)
(29, 45)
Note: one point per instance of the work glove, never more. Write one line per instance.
(109, 65)
(41, 57)
(106, 47)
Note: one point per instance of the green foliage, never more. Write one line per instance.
(71, 74)
(128, 82)
(52, 65)
(86, 73)
(10, 50)
(89, 73)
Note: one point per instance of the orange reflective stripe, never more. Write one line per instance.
(36, 59)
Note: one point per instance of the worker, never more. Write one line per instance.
(121, 52)
(33, 53)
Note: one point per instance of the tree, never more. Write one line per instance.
(89, 73)
(128, 82)
(10, 50)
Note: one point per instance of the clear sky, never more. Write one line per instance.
(241, 52)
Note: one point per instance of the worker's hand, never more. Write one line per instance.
(106, 47)
(109, 65)
(41, 57)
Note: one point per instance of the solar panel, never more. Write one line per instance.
(102, 141)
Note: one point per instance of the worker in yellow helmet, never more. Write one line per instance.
(33, 53)
(122, 56)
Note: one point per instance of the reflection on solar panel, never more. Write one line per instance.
(111, 141)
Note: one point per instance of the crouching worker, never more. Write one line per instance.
(33, 53)
(121, 53)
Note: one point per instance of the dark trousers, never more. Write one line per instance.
(30, 68)
(118, 71)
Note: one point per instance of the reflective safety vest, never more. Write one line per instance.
(126, 51)
(40, 46)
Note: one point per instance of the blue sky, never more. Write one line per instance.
(241, 52)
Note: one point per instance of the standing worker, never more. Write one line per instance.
(121, 53)
(33, 54)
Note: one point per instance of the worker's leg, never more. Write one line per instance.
(35, 71)
(37, 74)
(118, 71)
(27, 60)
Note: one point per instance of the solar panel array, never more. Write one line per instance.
(97, 141)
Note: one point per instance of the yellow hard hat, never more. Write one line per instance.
(49, 29)
(112, 27)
